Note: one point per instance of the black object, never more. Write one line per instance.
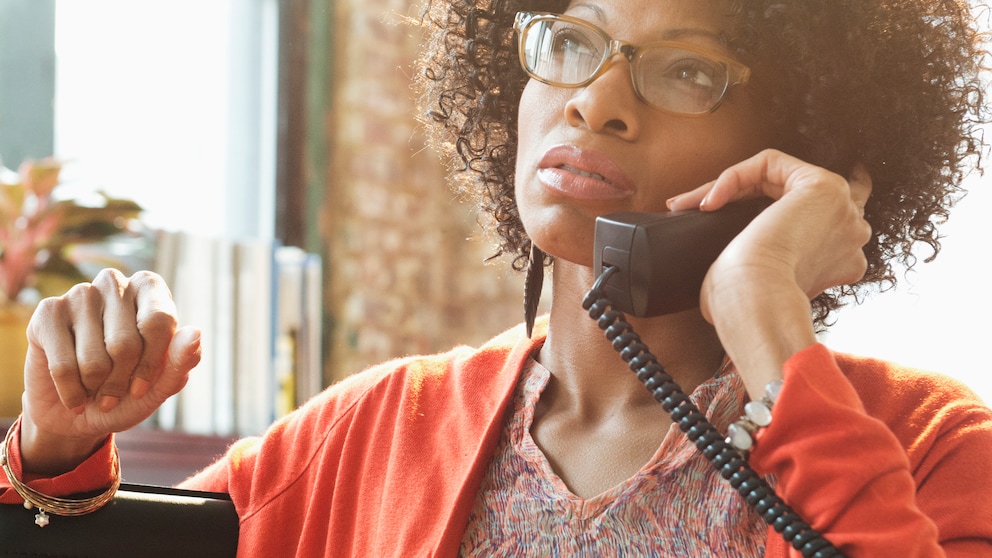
(662, 258)
(533, 284)
(141, 520)
(727, 460)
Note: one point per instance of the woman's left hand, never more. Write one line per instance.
(757, 292)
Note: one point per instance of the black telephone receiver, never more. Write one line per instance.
(661, 259)
(650, 264)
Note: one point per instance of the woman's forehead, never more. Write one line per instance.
(654, 14)
(653, 20)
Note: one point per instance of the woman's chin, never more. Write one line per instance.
(570, 254)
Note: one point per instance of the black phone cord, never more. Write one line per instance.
(728, 460)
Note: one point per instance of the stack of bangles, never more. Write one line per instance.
(757, 415)
(50, 504)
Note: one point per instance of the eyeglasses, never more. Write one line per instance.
(671, 76)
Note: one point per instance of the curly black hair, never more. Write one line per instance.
(896, 85)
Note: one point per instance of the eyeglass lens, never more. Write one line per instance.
(567, 53)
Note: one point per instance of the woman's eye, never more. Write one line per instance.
(574, 44)
(693, 72)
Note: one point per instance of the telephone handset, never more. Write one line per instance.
(650, 264)
(661, 259)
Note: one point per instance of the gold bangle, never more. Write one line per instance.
(50, 504)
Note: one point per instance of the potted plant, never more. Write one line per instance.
(37, 231)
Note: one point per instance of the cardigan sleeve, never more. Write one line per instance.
(96, 473)
(881, 468)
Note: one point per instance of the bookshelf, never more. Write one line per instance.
(258, 306)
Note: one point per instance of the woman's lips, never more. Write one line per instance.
(583, 174)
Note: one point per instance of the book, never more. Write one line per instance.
(288, 297)
(193, 292)
(224, 337)
(254, 382)
(258, 306)
(310, 376)
(167, 247)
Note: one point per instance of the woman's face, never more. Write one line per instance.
(599, 149)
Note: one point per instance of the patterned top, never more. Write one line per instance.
(677, 504)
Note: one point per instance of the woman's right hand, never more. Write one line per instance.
(757, 294)
(101, 359)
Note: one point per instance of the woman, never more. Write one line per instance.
(856, 120)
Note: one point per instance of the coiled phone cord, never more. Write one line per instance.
(708, 440)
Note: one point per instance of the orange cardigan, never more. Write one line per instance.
(883, 460)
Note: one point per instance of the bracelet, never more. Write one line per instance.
(757, 415)
(50, 504)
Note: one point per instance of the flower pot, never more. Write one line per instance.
(13, 347)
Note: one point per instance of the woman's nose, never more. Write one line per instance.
(609, 104)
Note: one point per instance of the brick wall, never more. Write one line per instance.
(406, 271)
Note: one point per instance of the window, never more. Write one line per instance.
(937, 318)
(171, 103)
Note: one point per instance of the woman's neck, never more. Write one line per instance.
(588, 375)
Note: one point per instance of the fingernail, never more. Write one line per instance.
(706, 201)
(80, 409)
(107, 403)
(139, 387)
(195, 350)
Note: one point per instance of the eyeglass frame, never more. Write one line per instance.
(737, 72)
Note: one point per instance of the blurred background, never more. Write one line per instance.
(293, 121)
(289, 120)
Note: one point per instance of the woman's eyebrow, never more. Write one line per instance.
(597, 11)
(715, 36)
